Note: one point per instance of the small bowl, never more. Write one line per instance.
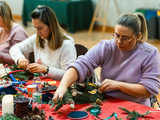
(77, 115)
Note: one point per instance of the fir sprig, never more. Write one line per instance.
(133, 115)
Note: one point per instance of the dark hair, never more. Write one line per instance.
(136, 22)
(6, 14)
(48, 17)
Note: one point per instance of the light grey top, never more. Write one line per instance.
(58, 60)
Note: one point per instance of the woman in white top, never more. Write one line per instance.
(53, 50)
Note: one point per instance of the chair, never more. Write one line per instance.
(81, 50)
(31, 57)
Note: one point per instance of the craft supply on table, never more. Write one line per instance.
(94, 110)
(112, 115)
(36, 77)
(37, 96)
(3, 70)
(53, 82)
(21, 106)
(50, 118)
(48, 88)
(23, 90)
(7, 104)
(5, 84)
(134, 115)
(31, 89)
(77, 115)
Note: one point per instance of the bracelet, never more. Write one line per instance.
(17, 62)
(47, 70)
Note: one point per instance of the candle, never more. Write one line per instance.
(7, 104)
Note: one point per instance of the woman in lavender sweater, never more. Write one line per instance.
(130, 66)
(10, 33)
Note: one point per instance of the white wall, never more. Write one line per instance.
(127, 6)
(16, 6)
(124, 5)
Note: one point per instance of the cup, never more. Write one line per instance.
(31, 89)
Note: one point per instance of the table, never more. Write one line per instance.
(109, 106)
(73, 14)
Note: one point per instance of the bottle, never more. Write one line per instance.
(37, 95)
(36, 78)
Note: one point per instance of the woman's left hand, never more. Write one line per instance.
(36, 68)
(109, 85)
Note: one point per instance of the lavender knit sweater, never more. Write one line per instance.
(140, 65)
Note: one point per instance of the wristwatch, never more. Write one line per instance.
(47, 70)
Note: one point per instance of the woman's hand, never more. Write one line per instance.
(132, 89)
(109, 85)
(36, 68)
(68, 79)
(23, 63)
(59, 93)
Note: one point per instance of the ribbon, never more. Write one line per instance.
(112, 115)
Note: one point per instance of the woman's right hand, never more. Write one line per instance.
(68, 79)
(58, 95)
(23, 63)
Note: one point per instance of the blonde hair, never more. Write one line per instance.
(6, 14)
(136, 22)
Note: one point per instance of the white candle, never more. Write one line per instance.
(7, 104)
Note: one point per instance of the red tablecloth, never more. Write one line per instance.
(109, 106)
